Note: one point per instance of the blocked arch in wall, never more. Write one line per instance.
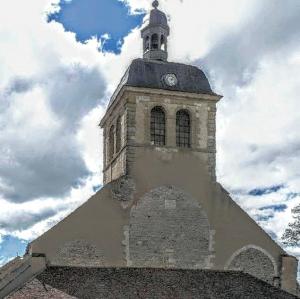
(169, 228)
(255, 261)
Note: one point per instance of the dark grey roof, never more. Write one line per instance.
(158, 17)
(119, 283)
(149, 74)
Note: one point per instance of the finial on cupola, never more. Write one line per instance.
(155, 4)
(155, 35)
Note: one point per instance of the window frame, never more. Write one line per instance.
(183, 129)
(111, 142)
(118, 134)
(158, 127)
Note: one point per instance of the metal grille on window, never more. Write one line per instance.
(183, 129)
(158, 126)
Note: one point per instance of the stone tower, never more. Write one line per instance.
(160, 207)
(163, 109)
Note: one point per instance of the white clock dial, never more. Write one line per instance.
(170, 79)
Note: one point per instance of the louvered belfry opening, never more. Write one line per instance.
(154, 42)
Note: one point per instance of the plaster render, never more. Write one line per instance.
(105, 217)
(98, 223)
(289, 274)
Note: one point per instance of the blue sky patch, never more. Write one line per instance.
(263, 191)
(88, 18)
(275, 208)
(10, 248)
(97, 188)
(264, 218)
(271, 209)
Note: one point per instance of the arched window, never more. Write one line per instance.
(158, 126)
(154, 41)
(162, 43)
(118, 135)
(147, 44)
(111, 147)
(183, 129)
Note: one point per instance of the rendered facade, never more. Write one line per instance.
(161, 210)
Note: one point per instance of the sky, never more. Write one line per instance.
(61, 61)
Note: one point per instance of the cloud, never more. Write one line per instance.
(53, 90)
(25, 221)
(28, 220)
(74, 91)
(41, 156)
(254, 62)
(43, 99)
(258, 126)
(272, 29)
(52, 93)
(18, 217)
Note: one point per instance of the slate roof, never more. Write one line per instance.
(157, 17)
(149, 74)
(122, 283)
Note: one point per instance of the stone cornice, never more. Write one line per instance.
(206, 97)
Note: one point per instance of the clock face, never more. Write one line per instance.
(170, 79)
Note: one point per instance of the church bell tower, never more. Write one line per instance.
(160, 205)
(161, 111)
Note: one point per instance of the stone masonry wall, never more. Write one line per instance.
(130, 127)
(203, 124)
(136, 112)
(115, 167)
(118, 167)
(254, 262)
(168, 228)
(78, 253)
(211, 140)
